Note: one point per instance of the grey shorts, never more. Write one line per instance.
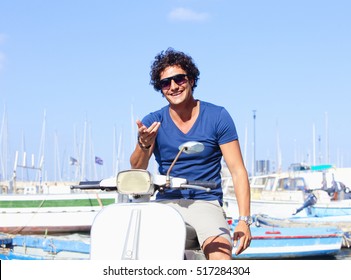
(206, 217)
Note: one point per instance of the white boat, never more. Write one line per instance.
(284, 194)
(53, 212)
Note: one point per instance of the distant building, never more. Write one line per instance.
(262, 167)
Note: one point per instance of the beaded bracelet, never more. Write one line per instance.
(142, 146)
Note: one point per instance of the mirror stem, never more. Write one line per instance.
(168, 178)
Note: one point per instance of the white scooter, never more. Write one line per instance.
(144, 229)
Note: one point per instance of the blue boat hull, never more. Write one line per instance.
(289, 243)
(23, 247)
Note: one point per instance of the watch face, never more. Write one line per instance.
(246, 219)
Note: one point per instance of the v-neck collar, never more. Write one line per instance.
(193, 125)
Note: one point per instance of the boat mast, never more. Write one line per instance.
(245, 146)
(41, 153)
(83, 175)
(254, 142)
(119, 153)
(279, 153)
(57, 173)
(133, 130)
(3, 147)
(314, 143)
(92, 155)
(327, 159)
(77, 159)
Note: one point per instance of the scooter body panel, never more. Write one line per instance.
(138, 231)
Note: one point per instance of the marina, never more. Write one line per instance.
(272, 245)
(52, 221)
(58, 224)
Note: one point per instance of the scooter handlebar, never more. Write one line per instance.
(199, 185)
(206, 184)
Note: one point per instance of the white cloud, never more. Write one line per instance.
(183, 14)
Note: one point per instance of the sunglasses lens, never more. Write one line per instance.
(178, 79)
(166, 83)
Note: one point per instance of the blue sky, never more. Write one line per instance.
(85, 64)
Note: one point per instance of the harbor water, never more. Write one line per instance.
(344, 254)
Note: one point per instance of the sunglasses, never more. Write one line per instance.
(179, 79)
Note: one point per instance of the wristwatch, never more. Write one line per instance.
(246, 219)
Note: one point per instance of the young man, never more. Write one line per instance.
(188, 119)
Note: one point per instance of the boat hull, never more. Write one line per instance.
(277, 208)
(274, 208)
(288, 243)
(333, 208)
(26, 247)
(342, 223)
(48, 214)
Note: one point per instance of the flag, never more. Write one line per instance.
(99, 161)
(73, 161)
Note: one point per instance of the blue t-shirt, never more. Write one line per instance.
(213, 127)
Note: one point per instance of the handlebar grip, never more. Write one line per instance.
(93, 187)
(205, 184)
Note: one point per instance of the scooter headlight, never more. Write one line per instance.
(135, 182)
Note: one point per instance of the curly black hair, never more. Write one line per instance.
(171, 57)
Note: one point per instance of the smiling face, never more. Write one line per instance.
(178, 88)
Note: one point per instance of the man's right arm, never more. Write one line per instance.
(145, 146)
(140, 157)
